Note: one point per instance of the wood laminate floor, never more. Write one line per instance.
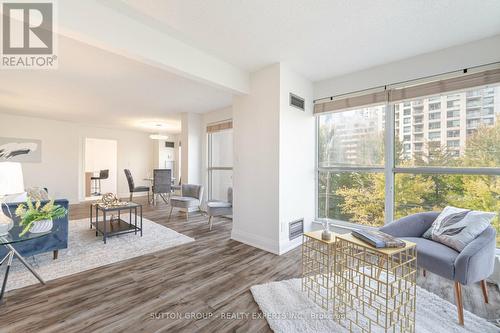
(203, 286)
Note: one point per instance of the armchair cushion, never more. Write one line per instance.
(218, 204)
(184, 202)
(217, 208)
(193, 191)
(435, 257)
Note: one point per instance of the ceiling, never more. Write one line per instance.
(319, 38)
(97, 87)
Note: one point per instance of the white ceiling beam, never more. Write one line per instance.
(99, 25)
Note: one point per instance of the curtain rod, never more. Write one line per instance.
(384, 87)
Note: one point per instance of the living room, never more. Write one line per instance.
(250, 166)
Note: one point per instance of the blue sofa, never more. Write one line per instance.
(53, 242)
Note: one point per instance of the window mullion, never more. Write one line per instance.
(389, 163)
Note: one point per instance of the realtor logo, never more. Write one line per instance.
(28, 35)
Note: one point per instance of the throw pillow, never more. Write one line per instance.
(449, 210)
(459, 228)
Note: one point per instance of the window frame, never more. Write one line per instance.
(210, 168)
(389, 169)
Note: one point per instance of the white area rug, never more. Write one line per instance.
(288, 310)
(86, 251)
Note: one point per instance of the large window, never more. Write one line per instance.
(370, 172)
(220, 163)
(351, 165)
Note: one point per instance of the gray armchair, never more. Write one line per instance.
(220, 208)
(191, 196)
(474, 264)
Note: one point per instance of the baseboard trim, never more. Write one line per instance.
(259, 242)
(289, 244)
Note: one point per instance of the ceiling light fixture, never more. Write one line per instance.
(158, 136)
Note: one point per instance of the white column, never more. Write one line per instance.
(191, 141)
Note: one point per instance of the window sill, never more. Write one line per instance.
(343, 224)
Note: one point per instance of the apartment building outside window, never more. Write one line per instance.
(433, 165)
(434, 106)
(434, 135)
(434, 115)
(453, 104)
(434, 125)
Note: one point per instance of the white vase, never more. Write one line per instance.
(41, 226)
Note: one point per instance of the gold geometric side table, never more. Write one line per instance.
(318, 275)
(375, 288)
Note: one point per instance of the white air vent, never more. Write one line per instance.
(297, 101)
(295, 229)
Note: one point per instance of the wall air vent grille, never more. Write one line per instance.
(297, 102)
(296, 229)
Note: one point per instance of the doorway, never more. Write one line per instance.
(100, 155)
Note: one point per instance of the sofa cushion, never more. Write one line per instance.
(435, 257)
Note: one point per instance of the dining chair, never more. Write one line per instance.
(131, 185)
(162, 184)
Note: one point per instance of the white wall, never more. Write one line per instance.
(297, 168)
(191, 138)
(99, 155)
(62, 166)
(256, 162)
(273, 160)
(165, 157)
(477, 53)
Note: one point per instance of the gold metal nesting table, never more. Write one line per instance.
(368, 289)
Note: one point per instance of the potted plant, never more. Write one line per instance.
(36, 218)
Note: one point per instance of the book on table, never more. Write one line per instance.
(378, 239)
